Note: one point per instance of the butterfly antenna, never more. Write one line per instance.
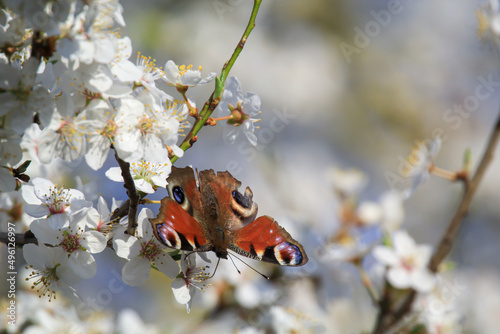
(249, 266)
(215, 270)
(234, 264)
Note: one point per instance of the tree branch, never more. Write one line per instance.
(21, 239)
(213, 101)
(388, 316)
(446, 242)
(133, 202)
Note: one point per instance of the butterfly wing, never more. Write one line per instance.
(176, 228)
(264, 240)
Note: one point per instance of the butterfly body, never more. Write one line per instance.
(210, 214)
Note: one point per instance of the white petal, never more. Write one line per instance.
(37, 211)
(83, 264)
(74, 194)
(252, 104)
(57, 255)
(102, 207)
(93, 241)
(177, 150)
(172, 73)
(399, 278)
(58, 221)
(424, 254)
(136, 271)
(403, 242)
(392, 206)
(155, 151)
(97, 153)
(114, 174)
(423, 280)
(127, 71)
(66, 275)
(42, 187)
(160, 180)
(252, 138)
(191, 78)
(204, 257)
(385, 255)
(127, 146)
(93, 218)
(105, 49)
(233, 92)
(209, 78)
(145, 230)
(78, 219)
(45, 233)
(126, 246)
(167, 265)
(35, 255)
(369, 212)
(180, 290)
(29, 197)
(144, 186)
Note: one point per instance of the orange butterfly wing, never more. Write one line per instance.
(176, 228)
(264, 240)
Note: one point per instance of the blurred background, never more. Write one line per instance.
(358, 88)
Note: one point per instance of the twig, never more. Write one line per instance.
(213, 101)
(21, 239)
(367, 283)
(120, 212)
(131, 193)
(388, 317)
(446, 242)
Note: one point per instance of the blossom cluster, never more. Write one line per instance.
(71, 91)
(38, 315)
(70, 231)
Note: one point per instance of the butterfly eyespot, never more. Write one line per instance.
(178, 194)
(240, 199)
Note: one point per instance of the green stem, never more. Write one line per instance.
(214, 99)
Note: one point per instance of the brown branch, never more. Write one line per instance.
(120, 212)
(446, 242)
(388, 316)
(131, 193)
(20, 240)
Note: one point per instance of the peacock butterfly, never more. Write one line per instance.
(210, 214)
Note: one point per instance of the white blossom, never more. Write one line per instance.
(388, 212)
(10, 154)
(142, 252)
(147, 176)
(239, 109)
(192, 279)
(144, 131)
(184, 76)
(44, 199)
(418, 164)
(49, 269)
(98, 219)
(22, 97)
(75, 241)
(12, 211)
(407, 263)
(100, 129)
(149, 73)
